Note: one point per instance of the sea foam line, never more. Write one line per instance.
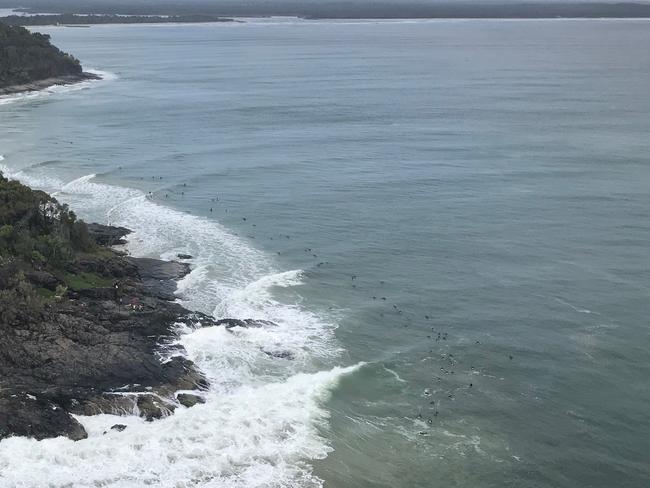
(263, 419)
(253, 437)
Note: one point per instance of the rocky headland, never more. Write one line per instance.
(86, 20)
(85, 329)
(29, 62)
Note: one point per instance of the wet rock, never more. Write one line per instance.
(107, 235)
(157, 269)
(280, 354)
(188, 400)
(152, 407)
(181, 374)
(184, 256)
(93, 351)
(160, 277)
(24, 414)
(103, 403)
(118, 427)
(100, 346)
(245, 323)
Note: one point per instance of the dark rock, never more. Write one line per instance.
(99, 347)
(188, 400)
(184, 256)
(157, 269)
(159, 277)
(78, 354)
(107, 235)
(152, 407)
(165, 289)
(118, 427)
(23, 414)
(102, 403)
(114, 266)
(90, 76)
(182, 375)
(96, 293)
(42, 279)
(245, 323)
(280, 354)
(149, 408)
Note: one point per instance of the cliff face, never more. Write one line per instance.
(27, 57)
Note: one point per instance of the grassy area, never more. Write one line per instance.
(98, 252)
(45, 294)
(85, 281)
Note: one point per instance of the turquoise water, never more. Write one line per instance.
(455, 211)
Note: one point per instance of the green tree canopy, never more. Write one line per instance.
(27, 57)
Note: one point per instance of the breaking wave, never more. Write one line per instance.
(263, 419)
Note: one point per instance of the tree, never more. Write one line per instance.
(26, 57)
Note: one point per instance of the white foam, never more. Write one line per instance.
(260, 423)
(105, 75)
(41, 182)
(395, 375)
(255, 436)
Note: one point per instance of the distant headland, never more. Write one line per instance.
(76, 20)
(30, 62)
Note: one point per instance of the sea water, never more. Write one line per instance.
(446, 220)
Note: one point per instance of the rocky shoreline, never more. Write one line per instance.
(107, 346)
(38, 85)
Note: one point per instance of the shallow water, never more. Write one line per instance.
(489, 179)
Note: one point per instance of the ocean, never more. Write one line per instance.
(448, 222)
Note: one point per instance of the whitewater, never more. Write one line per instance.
(264, 418)
(461, 204)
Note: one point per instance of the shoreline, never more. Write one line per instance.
(86, 20)
(44, 84)
(96, 335)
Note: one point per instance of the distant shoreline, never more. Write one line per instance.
(196, 11)
(247, 19)
(85, 20)
(39, 85)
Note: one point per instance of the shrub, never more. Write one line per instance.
(37, 228)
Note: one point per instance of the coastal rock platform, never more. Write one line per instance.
(99, 347)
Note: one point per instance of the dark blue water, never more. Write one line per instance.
(455, 210)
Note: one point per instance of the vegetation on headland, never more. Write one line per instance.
(38, 229)
(39, 239)
(26, 57)
(75, 19)
(79, 320)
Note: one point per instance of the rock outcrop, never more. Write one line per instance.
(86, 329)
(96, 350)
(107, 235)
